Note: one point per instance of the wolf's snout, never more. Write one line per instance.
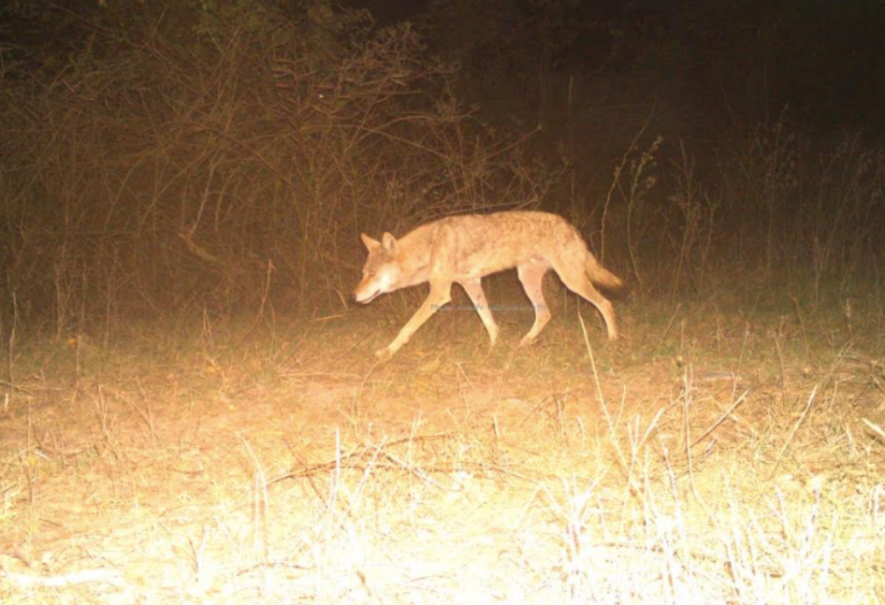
(361, 296)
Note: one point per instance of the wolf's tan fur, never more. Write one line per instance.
(464, 249)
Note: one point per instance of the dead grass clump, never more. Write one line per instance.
(221, 469)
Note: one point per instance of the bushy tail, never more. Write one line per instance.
(601, 276)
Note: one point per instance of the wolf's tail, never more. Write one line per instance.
(602, 276)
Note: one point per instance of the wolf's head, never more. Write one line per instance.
(382, 272)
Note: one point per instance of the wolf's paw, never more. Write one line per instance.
(525, 341)
(383, 354)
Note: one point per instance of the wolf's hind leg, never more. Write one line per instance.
(532, 277)
(473, 287)
(574, 276)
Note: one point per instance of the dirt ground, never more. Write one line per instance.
(719, 452)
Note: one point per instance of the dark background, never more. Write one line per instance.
(225, 155)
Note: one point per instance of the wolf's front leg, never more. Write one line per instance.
(439, 295)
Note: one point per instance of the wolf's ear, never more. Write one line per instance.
(371, 244)
(389, 243)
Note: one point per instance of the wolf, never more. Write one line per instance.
(464, 249)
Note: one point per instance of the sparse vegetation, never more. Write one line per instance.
(189, 408)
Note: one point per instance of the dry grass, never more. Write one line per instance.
(155, 450)
(711, 456)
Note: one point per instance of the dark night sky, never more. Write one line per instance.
(823, 59)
